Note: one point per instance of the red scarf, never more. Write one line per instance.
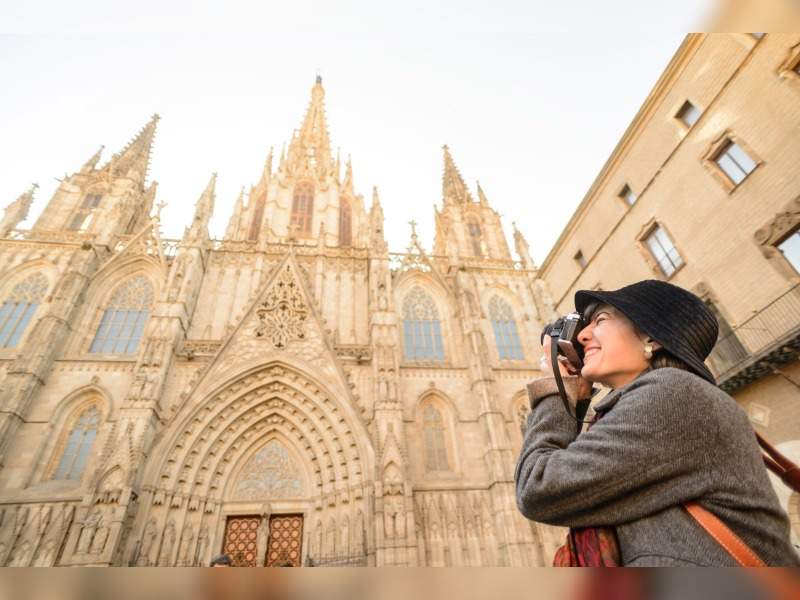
(589, 546)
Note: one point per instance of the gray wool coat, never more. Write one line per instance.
(664, 439)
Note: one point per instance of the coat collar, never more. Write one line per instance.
(607, 403)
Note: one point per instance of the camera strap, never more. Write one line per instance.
(581, 406)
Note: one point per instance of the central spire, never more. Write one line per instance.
(134, 159)
(310, 149)
(453, 187)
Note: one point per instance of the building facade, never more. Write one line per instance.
(703, 190)
(293, 393)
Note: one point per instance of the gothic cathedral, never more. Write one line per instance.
(291, 394)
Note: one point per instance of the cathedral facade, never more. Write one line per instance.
(291, 394)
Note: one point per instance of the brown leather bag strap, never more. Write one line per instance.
(780, 465)
(732, 543)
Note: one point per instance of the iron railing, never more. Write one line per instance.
(337, 560)
(773, 325)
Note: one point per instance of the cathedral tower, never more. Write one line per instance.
(466, 228)
(305, 200)
(107, 201)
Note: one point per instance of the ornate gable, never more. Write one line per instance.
(282, 320)
(146, 243)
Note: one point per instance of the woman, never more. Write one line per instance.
(665, 435)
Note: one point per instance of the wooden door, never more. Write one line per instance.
(241, 540)
(285, 545)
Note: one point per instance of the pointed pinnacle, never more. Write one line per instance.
(136, 154)
(453, 186)
(481, 196)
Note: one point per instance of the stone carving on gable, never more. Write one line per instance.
(269, 473)
(283, 312)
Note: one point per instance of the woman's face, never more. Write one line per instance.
(613, 349)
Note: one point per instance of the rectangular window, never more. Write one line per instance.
(664, 251)
(688, 114)
(580, 259)
(790, 248)
(627, 195)
(734, 162)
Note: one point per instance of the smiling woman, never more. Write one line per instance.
(665, 441)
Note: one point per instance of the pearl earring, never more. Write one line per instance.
(648, 351)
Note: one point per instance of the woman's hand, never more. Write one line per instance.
(567, 370)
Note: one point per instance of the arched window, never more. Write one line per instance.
(82, 217)
(475, 236)
(18, 308)
(255, 224)
(505, 329)
(422, 332)
(435, 447)
(124, 318)
(302, 208)
(345, 223)
(79, 444)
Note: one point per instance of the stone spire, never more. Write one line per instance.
(347, 184)
(310, 150)
(17, 211)
(91, 164)
(453, 187)
(267, 173)
(146, 206)
(522, 248)
(134, 159)
(377, 239)
(232, 231)
(198, 231)
(481, 196)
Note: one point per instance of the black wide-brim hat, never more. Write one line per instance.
(674, 317)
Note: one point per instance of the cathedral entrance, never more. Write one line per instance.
(284, 545)
(284, 548)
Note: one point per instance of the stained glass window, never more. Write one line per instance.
(476, 237)
(258, 215)
(124, 318)
(435, 447)
(303, 208)
(79, 445)
(345, 223)
(19, 307)
(422, 332)
(505, 329)
(82, 217)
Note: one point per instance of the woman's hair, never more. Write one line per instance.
(661, 358)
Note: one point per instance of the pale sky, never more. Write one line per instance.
(531, 97)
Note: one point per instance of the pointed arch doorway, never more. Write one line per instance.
(274, 480)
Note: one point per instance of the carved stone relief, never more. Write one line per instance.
(269, 473)
(283, 312)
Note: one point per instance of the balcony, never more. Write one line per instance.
(766, 340)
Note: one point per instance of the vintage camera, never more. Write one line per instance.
(564, 334)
